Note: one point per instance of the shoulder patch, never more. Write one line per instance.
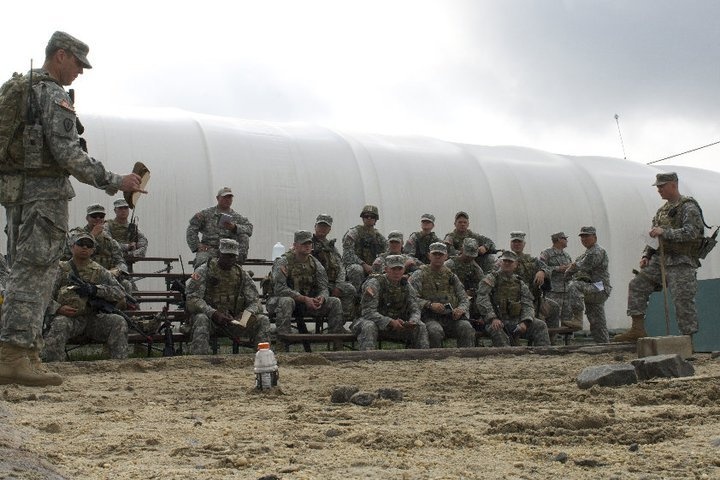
(369, 292)
(195, 276)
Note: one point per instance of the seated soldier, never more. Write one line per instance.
(470, 274)
(507, 306)
(78, 305)
(390, 305)
(443, 301)
(300, 288)
(132, 241)
(395, 247)
(486, 247)
(218, 293)
(326, 252)
(418, 244)
(361, 246)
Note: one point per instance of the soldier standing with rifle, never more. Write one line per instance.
(35, 166)
(80, 283)
(132, 241)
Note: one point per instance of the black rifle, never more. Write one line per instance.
(166, 330)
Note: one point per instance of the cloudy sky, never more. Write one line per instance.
(547, 74)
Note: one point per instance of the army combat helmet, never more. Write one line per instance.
(370, 210)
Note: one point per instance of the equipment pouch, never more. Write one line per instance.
(707, 244)
(33, 146)
(514, 309)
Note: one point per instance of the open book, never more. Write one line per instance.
(247, 317)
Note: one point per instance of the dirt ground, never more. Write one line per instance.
(506, 416)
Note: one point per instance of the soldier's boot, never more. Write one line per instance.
(575, 322)
(637, 331)
(16, 368)
(37, 364)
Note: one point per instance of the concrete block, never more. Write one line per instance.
(680, 344)
(665, 366)
(607, 376)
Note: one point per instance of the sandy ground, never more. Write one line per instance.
(514, 417)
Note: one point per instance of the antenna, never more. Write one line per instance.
(622, 144)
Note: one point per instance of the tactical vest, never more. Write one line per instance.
(13, 112)
(468, 273)
(301, 275)
(224, 288)
(438, 286)
(103, 252)
(119, 231)
(669, 217)
(91, 273)
(368, 245)
(458, 239)
(325, 253)
(506, 297)
(422, 246)
(526, 270)
(393, 299)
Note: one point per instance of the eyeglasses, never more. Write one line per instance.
(85, 243)
(97, 215)
(369, 216)
(122, 208)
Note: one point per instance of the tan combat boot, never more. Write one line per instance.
(636, 331)
(575, 322)
(37, 364)
(15, 368)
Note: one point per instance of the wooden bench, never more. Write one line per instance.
(335, 341)
(565, 332)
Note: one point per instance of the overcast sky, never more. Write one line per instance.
(547, 74)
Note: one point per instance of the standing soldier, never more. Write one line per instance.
(300, 286)
(219, 292)
(361, 246)
(558, 261)
(507, 306)
(486, 247)
(679, 227)
(75, 315)
(418, 243)
(132, 241)
(390, 305)
(326, 252)
(590, 285)
(35, 190)
(443, 302)
(217, 222)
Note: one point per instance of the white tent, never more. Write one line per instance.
(284, 175)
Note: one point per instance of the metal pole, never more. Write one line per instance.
(664, 288)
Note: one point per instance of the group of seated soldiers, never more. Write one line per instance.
(419, 292)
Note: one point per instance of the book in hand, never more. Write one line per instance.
(246, 318)
(224, 219)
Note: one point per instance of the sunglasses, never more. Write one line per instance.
(85, 243)
(97, 215)
(369, 216)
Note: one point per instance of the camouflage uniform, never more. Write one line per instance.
(107, 250)
(444, 287)
(378, 265)
(361, 246)
(381, 302)
(545, 308)
(418, 245)
(4, 272)
(120, 233)
(36, 204)
(554, 258)
(683, 229)
(470, 275)
(206, 223)
(455, 240)
(508, 298)
(291, 279)
(592, 271)
(109, 328)
(328, 255)
(211, 289)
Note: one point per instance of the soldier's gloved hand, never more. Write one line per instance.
(86, 290)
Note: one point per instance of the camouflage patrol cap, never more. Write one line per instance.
(71, 44)
(557, 236)
(80, 236)
(303, 236)
(324, 218)
(587, 231)
(394, 261)
(95, 208)
(228, 245)
(663, 178)
(427, 217)
(462, 214)
(517, 235)
(438, 247)
(395, 236)
(470, 247)
(120, 203)
(509, 255)
(224, 192)
(372, 210)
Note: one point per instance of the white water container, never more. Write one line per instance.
(278, 250)
(266, 368)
